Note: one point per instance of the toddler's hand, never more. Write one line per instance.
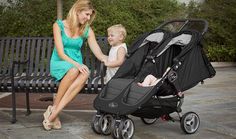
(104, 58)
(105, 62)
(140, 84)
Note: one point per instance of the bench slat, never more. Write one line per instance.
(49, 52)
(22, 54)
(16, 53)
(2, 42)
(32, 56)
(42, 64)
(6, 56)
(36, 62)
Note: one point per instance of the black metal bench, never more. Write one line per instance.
(24, 67)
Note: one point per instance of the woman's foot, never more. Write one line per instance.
(46, 123)
(56, 122)
(48, 112)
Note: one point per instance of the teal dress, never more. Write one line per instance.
(72, 48)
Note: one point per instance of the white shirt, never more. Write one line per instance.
(113, 57)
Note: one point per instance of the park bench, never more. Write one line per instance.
(24, 67)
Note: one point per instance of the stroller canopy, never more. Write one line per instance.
(182, 51)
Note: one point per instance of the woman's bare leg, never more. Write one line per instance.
(67, 80)
(70, 94)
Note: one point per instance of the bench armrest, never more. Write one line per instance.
(15, 63)
(98, 81)
(102, 73)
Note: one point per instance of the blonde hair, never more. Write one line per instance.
(120, 28)
(72, 18)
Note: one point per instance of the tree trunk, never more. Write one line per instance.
(59, 9)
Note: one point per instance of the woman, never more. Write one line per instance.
(66, 61)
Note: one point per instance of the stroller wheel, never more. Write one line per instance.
(148, 121)
(115, 130)
(126, 129)
(105, 123)
(95, 124)
(190, 122)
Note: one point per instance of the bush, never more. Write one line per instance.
(32, 18)
(221, 36)
(221, 53)
(35, 17)
(137, 16)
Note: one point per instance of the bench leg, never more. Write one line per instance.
(27, 104)
(13, 120)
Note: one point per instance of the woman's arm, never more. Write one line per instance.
(120, 58)
(95, 47)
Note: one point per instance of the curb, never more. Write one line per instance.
(223, 64)
(42, 110)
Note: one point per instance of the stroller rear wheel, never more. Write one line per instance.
(148, 121)
(105, 123)
(190, 122)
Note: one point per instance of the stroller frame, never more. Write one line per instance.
(120, 126)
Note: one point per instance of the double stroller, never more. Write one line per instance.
(174, 53)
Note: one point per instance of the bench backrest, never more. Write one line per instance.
(39, 50)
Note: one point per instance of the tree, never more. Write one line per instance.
(221, 36)
(59, 9)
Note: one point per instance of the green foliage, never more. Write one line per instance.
(35, 17)
(221, 36)
(221, 53)
(30, 19)
(137, 16)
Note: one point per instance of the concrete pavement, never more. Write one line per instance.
(214, 102)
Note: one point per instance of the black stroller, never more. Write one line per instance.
(172, 52)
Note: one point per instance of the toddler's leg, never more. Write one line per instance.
(148, 80)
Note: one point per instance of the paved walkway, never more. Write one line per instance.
(215, 103)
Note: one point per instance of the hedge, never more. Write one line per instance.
(35, 18)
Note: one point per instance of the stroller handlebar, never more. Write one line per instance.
(183, 24)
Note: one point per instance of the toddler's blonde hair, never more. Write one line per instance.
(120, 28)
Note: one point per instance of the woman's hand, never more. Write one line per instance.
(82, 68)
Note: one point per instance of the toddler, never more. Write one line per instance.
(116, 36)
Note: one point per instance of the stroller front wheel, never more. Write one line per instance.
(105, 123)
(115, 130)
(126, 128)
(95, 124)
